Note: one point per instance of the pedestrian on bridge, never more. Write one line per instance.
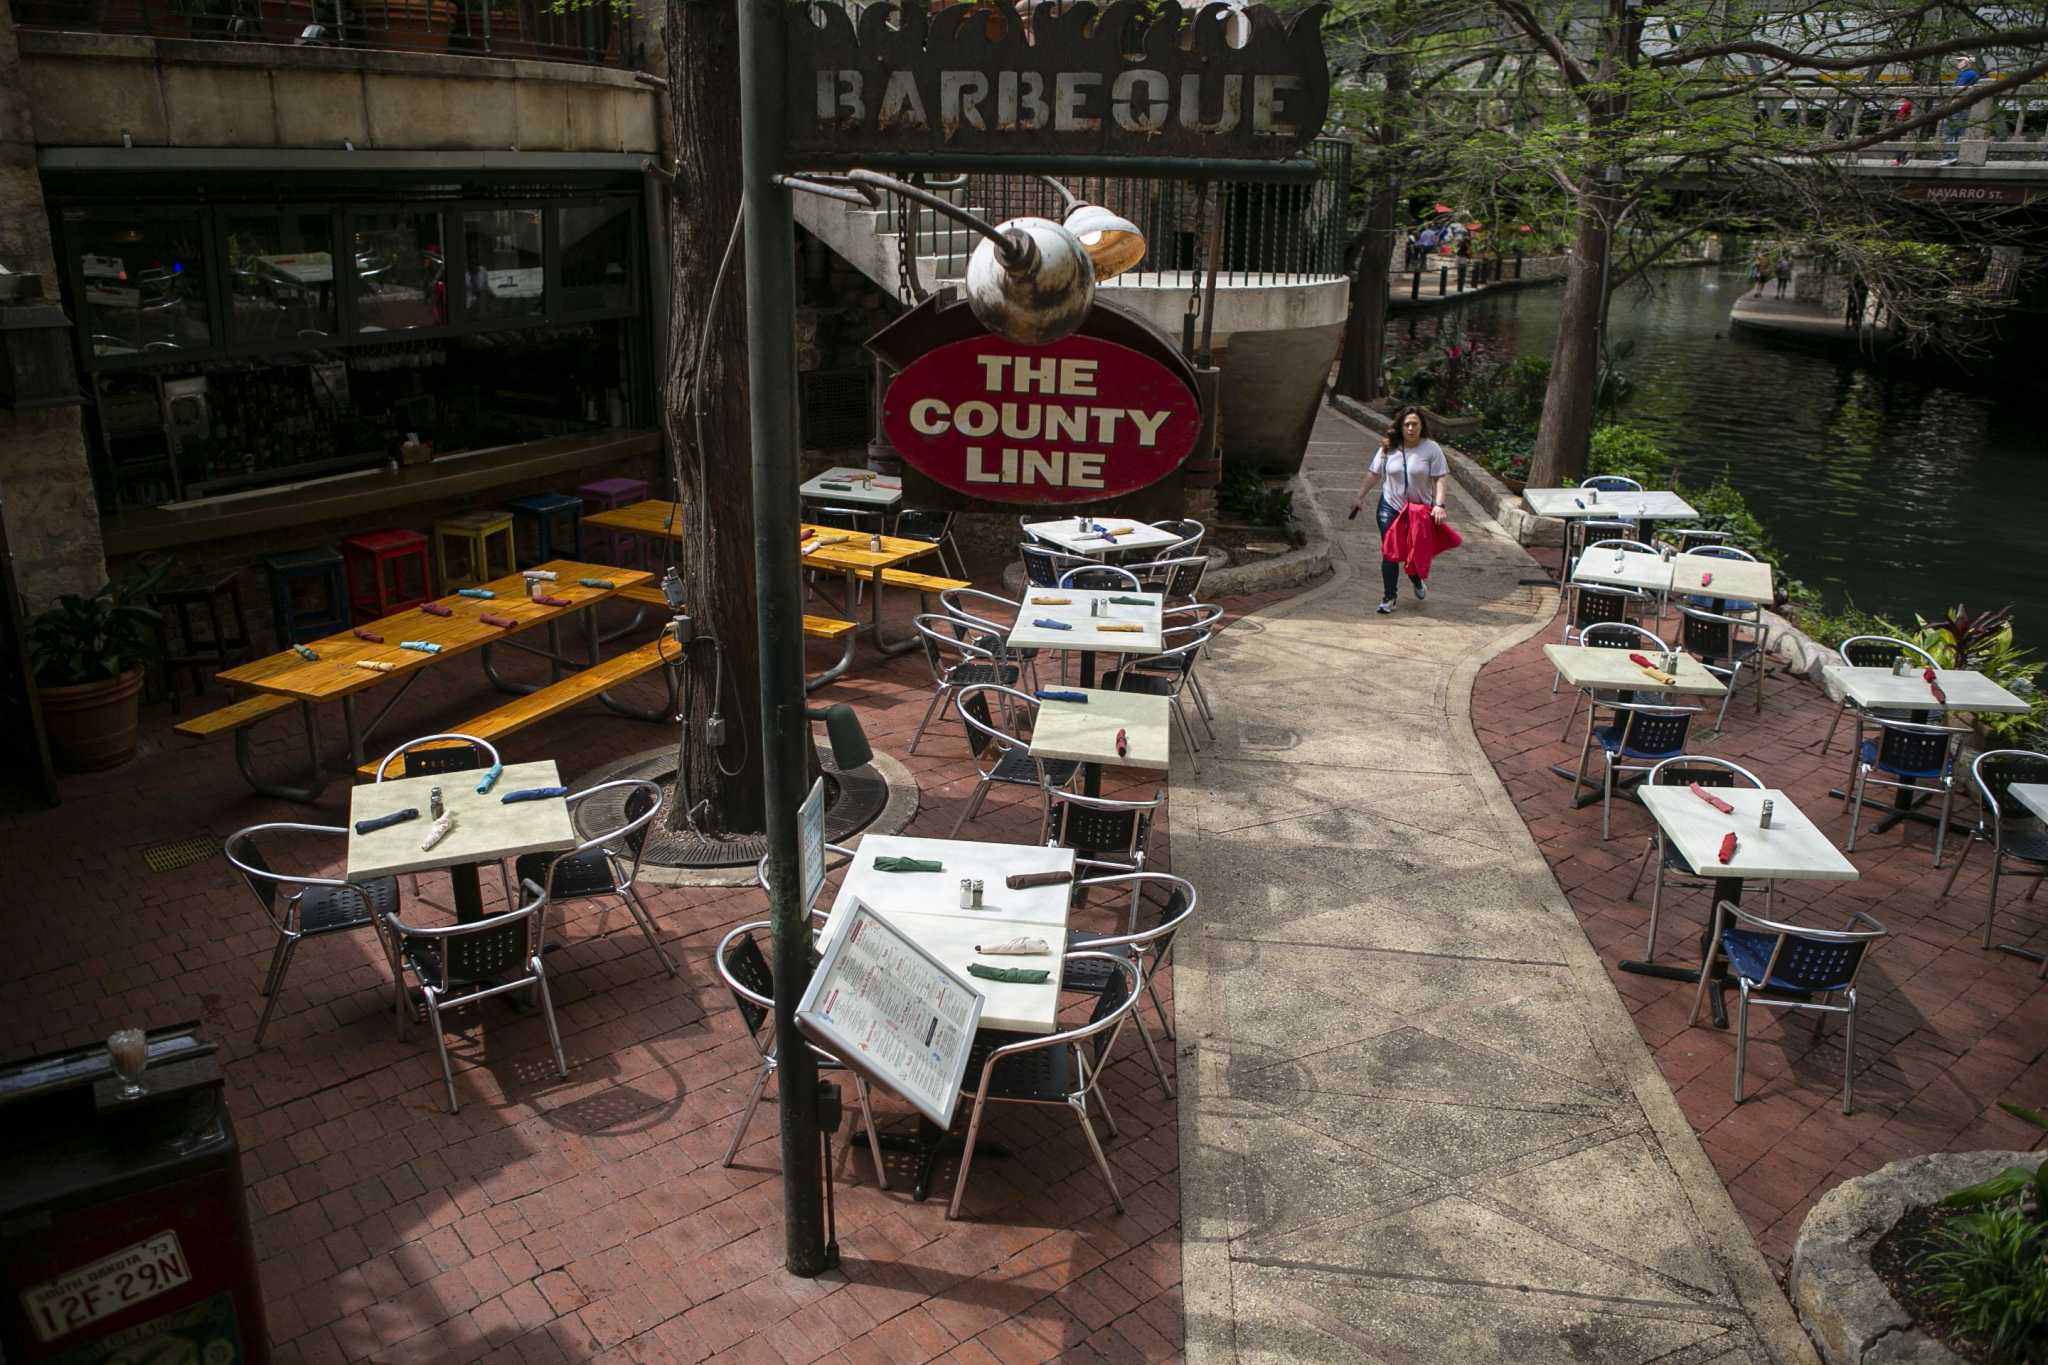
(1784, 274)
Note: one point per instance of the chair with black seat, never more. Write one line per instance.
(819, 913)
(460, 964)
(747, 975)
(1611, 635)
(432, 755)
(955, 663)
(1160, 905)
(1054, 1068)
(311, 906)
(1580, 532)
(1874, 651)
(990, 617)
(1725, 645)
(1000, 757)
(1175, 580)
(1787, 967)
(1190, 532)
(605, 865)
(1043, 565)
(1206, 616)
(1729, 606)
(1686, 770)
(1637, 739)
(1590, 605)
(1906, 756)
(1168, 674)
(1100, 578)
(934, 528)
(1104, 830)
(2019, 841)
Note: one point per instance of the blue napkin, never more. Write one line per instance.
(532, 794)
(1047, 623)
(397, 817)
(1055, 694)
(490, 778)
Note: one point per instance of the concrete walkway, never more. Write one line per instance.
(1417, 1124)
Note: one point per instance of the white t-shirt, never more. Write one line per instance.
(1409, 473)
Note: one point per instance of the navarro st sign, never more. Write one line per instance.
(1080, 420)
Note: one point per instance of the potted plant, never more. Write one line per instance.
(88, 654)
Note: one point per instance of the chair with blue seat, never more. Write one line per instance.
(1637, 739)
(1686, 770)
(1907, 756)
(1725, 645)
(1787, 967)
(1729, 606)
(543, 519)
(1611, 635)
(2019, 842)
(1001, 758)
(1611, 483)
(1874, 651)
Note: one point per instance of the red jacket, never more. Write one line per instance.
(1416, 538)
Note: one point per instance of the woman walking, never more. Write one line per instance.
(1410, 469)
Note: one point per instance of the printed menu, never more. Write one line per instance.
(893, 1012)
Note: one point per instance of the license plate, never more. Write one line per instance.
(59, 1307)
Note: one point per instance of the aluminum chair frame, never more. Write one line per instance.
(290, 925)
(1043, 564)
(1178, 578)
(1760, 991)
(438, 992)
(1944, 781)
(1650, 641)
(1572, 599)
(1086, 1073)
(1611, 483)
(946, 684)
(1688, 536)
(1686, 768)
(1871, 651)
(1202, 616)
(1167, 674)
(1729, 666)
(1152, 946)
(448, 740)
(943, 538)
(1628, 712)
(1579, 531)
(762, 1008)
(624, 872)
(1993, 815)
(1722, 550)
(1016, 704)
(1190, 542)
(957, 603)
(1105, 578)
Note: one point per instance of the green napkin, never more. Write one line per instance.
(893, 864)
(1130, 602)
(1023, 976)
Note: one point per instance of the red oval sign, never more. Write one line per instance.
(1080, 420)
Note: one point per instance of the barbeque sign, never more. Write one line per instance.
(1080, 420)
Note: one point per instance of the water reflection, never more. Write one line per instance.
(1900, 493)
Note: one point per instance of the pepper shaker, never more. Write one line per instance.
(1899, 666)
(966, 893)
(434, 809)
(875, 542)
(977, 893)
(1764, 821)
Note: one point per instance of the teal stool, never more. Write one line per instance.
(537, 522)
(308, 595)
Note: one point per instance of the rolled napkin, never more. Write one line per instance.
(545, 575)
(376, 665)
(1728, 842)
(605, 583)
(1056, 694)
(397, 817)
(1927, 674)
(1656, 674)
(438, 832)
(1014, 947)
(1705, 579)
(1716, 802)
(1120, 530)
(1047, 623)
(1129, 602)
(1123, 744)
(491, 618)
(1022, 976)
(828, 540)
(554, 601)
(892, 863)
(838, 487)
(1051, 601)
(475, 592)
(435, 609)
(1101, 535)
(372, 636)
(1580, 502)
(304, 653)
(423, 646)
(1127, 628)
(1024, 881)
(532, 794)
(490, 778)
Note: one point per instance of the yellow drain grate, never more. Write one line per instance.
(180, 853)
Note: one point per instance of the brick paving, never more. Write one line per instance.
(585, 1219)
(1945, 1029)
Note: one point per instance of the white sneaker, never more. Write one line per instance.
(1421, 590)
(1386, 606)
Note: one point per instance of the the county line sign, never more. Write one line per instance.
(1080, 420)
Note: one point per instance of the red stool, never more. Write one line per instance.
(387, 572)
(622, 549)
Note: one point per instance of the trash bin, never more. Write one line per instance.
(124, 1236)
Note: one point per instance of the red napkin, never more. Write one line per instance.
(1716, 802)
(1932, 685)
(371, 636)
(491, 618)
(1640, 661)
(1728, 846)
(1705, 579)
(554, 601)
(435, 609)
(1123, 744)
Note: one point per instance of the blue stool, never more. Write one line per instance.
(535, 521)
(307, 574)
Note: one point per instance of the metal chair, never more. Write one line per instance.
(1873, 651)
(1729, 606)
(969, 606)
(1593, 606)
(1611, 483)
(313, 906)
(1151, 944)
(1609, 635)
(1001, 757)
(1788, 967)
(1055, 1068)
(1913, 757)
(1686, 770)
(1101, 578)
(607, 864)
(819, 915)
(934, 528)
(955, 664)
(1178, 579)
(747, 975)
(2013, 833)
(1190, 532)
(1202, 616)
(1104, 830)
(1720, 644)
(1687, 539)
(1640, 738)
(460, 964)
(1043, 565)
(1166, 674)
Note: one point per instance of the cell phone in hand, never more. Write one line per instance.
(1353, 516)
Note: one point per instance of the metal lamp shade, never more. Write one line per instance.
(1043, 295)
(1112, 241)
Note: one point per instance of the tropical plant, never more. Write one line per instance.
(97, 638)
(1983, 641)
(1245, 497)
(1512, 394)
(1991, 1274)
(1630, 453)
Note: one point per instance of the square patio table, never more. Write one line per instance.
(486, 829)
(865, 490)
(1623, 569)
(1573, 504)
(1744, 580)
(1085, 732)
(1068, 534)
(1880, 689)
(1609, 670)
(902, 895)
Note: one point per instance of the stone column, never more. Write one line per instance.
(53, 522)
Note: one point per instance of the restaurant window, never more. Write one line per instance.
(597, 254)
(143, 274)
(503, 250)
(280, 268)
(401, 274)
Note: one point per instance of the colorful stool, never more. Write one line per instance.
(621, 549)
(308, 595)
(387, 572)
(472, 533)
(535, 521)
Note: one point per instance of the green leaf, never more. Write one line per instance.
(2033, 1116)
(2007, 1183)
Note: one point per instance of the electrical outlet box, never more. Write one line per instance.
(714, 732)
(683, 629)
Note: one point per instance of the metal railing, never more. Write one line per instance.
(594, 33)
(1272, 234)
(2012, 127)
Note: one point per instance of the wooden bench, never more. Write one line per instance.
(537, 706)
(816, 627)
(228, 719)
(921, 583)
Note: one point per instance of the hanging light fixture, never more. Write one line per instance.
(1113, 242)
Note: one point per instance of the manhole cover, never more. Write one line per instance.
(852, 802)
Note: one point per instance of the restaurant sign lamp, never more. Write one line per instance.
(36, 365)
(1113, 242)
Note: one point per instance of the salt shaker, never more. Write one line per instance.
(977, 893)
(434, 810)
(875, 542)
(1764, 820)
(966, 893)
(1899, 666)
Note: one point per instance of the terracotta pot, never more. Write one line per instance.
(93, 725)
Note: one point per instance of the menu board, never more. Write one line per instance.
(893, 1012)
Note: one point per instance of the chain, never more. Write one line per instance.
(909, 288)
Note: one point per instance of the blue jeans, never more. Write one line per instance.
(1390, 569)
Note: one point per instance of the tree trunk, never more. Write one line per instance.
(1559, 459)
(717, 550)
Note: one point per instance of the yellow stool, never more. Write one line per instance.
(472, 533)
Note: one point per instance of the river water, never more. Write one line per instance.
(1903, 494)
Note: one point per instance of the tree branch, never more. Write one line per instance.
(2024, 37)
(1982, 90)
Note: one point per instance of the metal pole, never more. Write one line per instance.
(771, 411)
